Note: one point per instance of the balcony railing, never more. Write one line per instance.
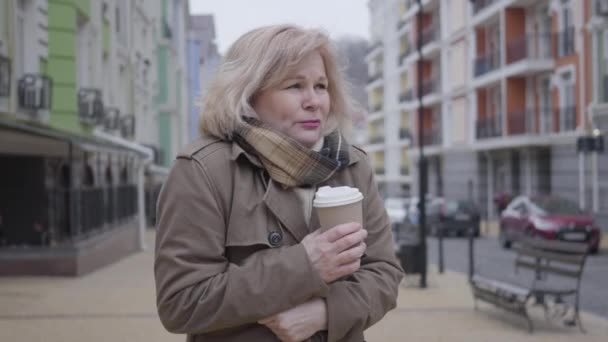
(567, 118)
(565, 42)
(522, 122)
(432, 137)
(379, 170)
(404, 54)
(479, 5)
(374, 77)
(406, 96)
(373, 46)
(5, 76)
(34, 92)
(90, 106)
(429, 86)
(376, 139)
(488, 62)
(376, 108)
(429, 34)
(533, 46)
(405, 133)
(490, 127)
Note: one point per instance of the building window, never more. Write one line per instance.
(567, 110)
(566, 30)
(603, 69)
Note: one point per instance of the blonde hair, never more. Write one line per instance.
(261, 59)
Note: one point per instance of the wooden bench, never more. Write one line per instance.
(547, 260)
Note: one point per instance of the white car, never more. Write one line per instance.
(396, 207)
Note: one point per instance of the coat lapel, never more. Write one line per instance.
(285, 206)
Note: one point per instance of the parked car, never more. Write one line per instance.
(452, 217)
(547, 217)
(396, 207)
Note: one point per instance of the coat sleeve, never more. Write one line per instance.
(362, 299)
(198, 289)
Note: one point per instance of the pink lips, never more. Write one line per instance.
(310, 123)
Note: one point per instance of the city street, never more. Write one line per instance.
(493, 261)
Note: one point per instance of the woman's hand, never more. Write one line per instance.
(300, 322)
(336, 252)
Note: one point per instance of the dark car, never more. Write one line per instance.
(547, 217)
(452, 217)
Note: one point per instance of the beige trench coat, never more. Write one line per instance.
(228, 251)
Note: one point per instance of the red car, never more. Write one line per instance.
(547, 217)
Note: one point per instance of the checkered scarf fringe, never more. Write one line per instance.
(287, 161)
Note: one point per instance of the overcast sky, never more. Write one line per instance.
(235, 17)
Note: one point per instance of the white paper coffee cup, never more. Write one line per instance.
(338, 205)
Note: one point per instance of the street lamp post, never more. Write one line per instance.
(422, 166)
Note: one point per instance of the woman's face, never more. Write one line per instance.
(298, 107)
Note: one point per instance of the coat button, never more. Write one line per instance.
(275, 238)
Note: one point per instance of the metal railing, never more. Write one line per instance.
(429, 34)
(522, 122)
(429, 86)
(376, 108)
(376, 139)
(432, 137)
(5, 76)
(81, 212)
(374, 77)
(479, 5)
(565, 42)
(405, 133)
(567, 118)
(406, 96)
(490, 127)
(535, 46)
(488, 62)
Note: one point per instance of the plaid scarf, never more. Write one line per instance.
(287, 161)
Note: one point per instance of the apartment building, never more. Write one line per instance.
(508, 86)
(80, 130)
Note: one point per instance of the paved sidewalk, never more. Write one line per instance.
(117, 304)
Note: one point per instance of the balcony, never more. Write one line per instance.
(376, 107)
(90, 106)
(567, 118)
(531, 47)
(376, 139)
(408, 51)
(34, 92)
(406, 96)
(5, 76)
(429, 86)
(490, 127)
(565, 42)
(522, 122)
(374, 77)
(405, 133)
(429, 34)
(488, 62)
(432, 137)
(374, 46)
(479, 5)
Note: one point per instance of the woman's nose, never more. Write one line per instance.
(311, 99)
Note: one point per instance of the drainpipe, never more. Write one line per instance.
(581, 180)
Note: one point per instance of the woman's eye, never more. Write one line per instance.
(322, 86)
(294, 86)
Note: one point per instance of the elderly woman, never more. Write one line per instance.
(238, 253)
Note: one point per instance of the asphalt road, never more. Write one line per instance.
(493, 261)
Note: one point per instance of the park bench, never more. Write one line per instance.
(556, 269)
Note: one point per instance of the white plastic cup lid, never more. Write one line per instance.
(327, 196)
